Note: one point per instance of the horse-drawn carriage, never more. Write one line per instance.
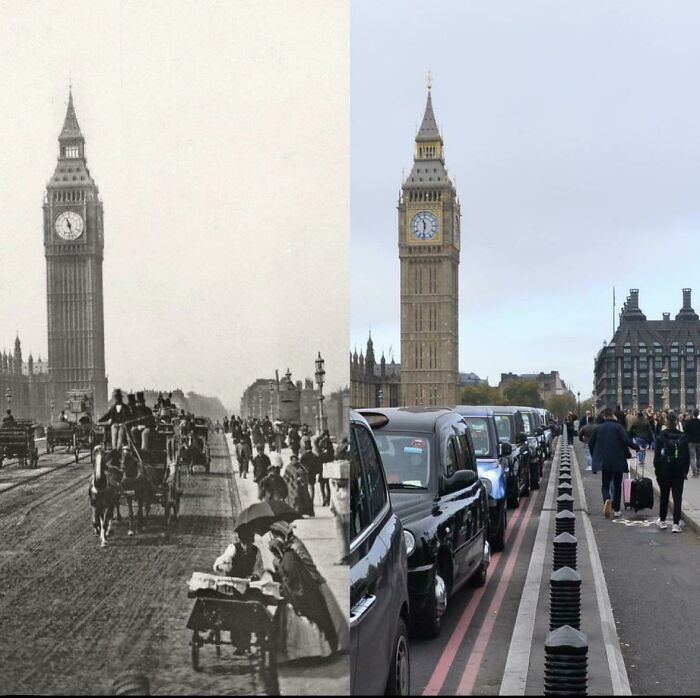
(197, 444)
(17, 441)
(77, 432)
(144, 477)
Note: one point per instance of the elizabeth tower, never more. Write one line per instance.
(429, 220)
(73, 245)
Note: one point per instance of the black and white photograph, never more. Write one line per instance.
(174, 442)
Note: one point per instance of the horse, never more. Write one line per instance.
(104, 496)
(133, 485)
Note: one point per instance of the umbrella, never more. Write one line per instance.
(260, 516)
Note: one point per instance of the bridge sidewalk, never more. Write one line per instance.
(322, 677)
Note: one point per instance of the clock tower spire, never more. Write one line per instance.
(73, 247)
(429, 245)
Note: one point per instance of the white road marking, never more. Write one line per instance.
(514, 680)
(616, 663)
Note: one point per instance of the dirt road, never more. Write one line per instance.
(74, 616)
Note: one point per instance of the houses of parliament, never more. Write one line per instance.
(429, 249)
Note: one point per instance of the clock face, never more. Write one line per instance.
(69, 225)
(424, 225)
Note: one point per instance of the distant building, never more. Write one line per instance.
(378, 384)
(298, 402)
(26, 384)
(470, 380)
(374, 384)
(548, 384)
(651, 362)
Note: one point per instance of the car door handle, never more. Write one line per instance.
(359, 610)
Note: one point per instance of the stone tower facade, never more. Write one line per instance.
(73, 246)
(429, 243)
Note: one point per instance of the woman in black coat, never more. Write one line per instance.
(671, 465)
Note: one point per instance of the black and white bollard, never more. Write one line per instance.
(565, 522)
(565, 501)
(565, 598)
(566, 662)
(565, 551)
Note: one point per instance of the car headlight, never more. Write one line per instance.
(410, 542)
(487, 485)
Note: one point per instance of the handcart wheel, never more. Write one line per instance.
(195, 650)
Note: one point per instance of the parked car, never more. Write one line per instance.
(379, 601)
(534, 443)
(510, 428)
(547, 421)
(493, 465)
(436, 491)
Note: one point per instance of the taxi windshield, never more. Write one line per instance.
(479, 429)
(406, 460)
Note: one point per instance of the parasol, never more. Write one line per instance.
(260, 516)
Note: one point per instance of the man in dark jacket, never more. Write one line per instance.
(314, 467)
(609, 443)
(621, 416)
(641, 431)
(671, 464)
(692, 431)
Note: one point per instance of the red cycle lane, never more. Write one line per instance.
(454, 664)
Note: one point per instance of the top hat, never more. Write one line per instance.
(117, 393)
(140, 396)
(131, 398)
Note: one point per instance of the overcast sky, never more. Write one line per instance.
(573, 132)
(218, 134)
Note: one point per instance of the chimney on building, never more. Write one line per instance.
(667, 317)
(633, 299)
(687, 312)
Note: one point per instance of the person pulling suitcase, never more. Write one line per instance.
(671, 465)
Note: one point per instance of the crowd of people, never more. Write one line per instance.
(673, 439)
(258, 445)
(311, 623)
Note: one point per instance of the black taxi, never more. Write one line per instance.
(379, 615)
(435, 489)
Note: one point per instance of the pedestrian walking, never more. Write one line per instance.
(569, 423)
(620, 416)
(340, 508)
(297, 479)
(261, 463)
(273, 486)
(326, 453)
(609, 444)
(314, 467)
(671, 465)
(588, 417)
(641, 431)
(584, 435)
(243, 456)
(691, 429)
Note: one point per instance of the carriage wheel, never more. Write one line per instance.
(195, 650)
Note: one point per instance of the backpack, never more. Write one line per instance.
(671, 452)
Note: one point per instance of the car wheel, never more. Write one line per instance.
(480, 575)
(513, 493)
(429, 623)
(399, 682)
(498, 542)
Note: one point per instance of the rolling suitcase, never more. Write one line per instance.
(638, 492)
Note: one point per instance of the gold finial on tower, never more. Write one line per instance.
(430, 80)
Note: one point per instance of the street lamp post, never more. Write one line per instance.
(380, 395)
(635, 405)
(272, 396)
(52, 404)
(260, 401)
(578, 402)
(320, 380)
(8, 395)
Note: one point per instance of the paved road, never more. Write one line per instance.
(470, 655)
(74, 616)
(653, 578)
